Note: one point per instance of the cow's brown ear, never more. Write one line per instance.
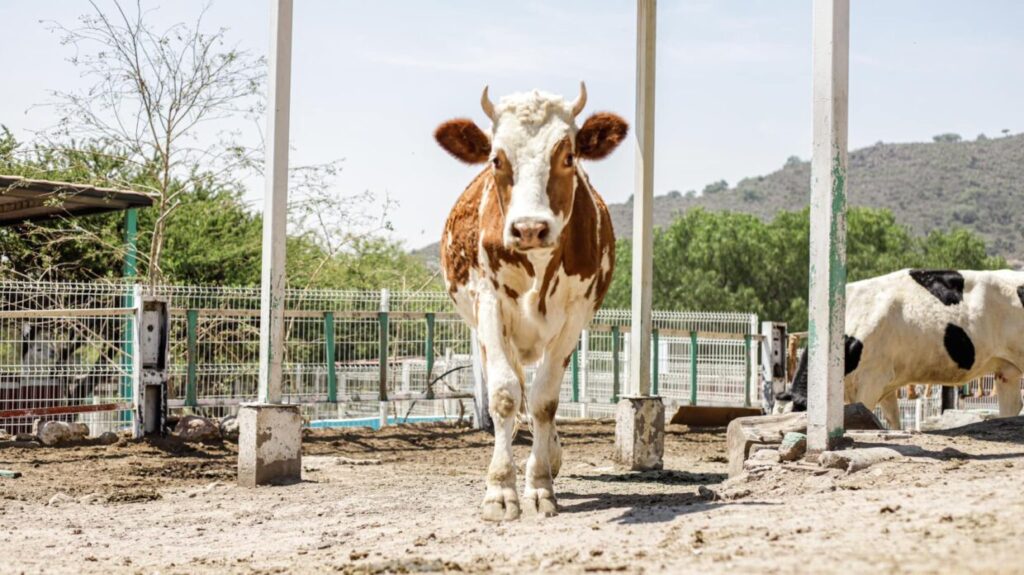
(464, 140)
(600, 134)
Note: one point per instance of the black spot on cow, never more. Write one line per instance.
(854, 347)
(797, 393)
(959, 346)
(1020, 294)
(946, 285)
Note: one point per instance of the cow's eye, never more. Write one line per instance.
(568, 160)
(496, 162)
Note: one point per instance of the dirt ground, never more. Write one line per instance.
(406, 500)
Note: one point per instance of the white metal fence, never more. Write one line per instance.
(67, 348)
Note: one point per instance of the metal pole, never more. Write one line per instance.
(275, 203)
(693, 368)
(191, 326)
(584, 370)
(643, 200)
(827, 298)
(332, 368)
(654, 361)
(430, 354)
(131, 242)
(747, 386)
(615, 364)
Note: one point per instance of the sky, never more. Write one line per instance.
(371, 80)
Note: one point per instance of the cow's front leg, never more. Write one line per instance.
(504, 384)
(546, 456)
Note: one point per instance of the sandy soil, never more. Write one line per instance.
(147, 507)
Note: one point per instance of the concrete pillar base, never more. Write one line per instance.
(269, 444)
(640, 433)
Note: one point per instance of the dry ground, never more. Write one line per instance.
(167, 507)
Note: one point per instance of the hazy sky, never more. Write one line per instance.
(371, 80)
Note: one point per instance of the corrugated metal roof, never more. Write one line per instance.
(24, 199)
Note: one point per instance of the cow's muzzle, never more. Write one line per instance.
(530, 233)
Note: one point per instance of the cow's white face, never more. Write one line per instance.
(533, 159)
(532, 150)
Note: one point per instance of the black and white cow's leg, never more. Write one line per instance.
(546, 456)
(1007, 389)
(504, 387)
(890, 405)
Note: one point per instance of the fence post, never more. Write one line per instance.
(693, 368)
(576, 374)
(584, 370)
(746, 387)
(382, 354)
(332, 369)
(615, 364)
(429, 352)
(135, 390)
(192, 321)
(654, 361)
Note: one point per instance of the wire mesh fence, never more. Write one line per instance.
(66, 354)
(70, 345)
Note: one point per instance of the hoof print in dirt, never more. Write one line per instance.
(195, 429)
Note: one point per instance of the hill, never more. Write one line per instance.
(938, 185)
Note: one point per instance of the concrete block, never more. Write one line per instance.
(640, 433)
(269, 445)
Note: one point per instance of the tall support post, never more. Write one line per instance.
(129, 271)
(827, 297)
(270, 434)
(429, 351)
(329, 357)
(640, 420)
(192, 350)
(584, 371)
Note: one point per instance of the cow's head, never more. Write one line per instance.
(532, 149)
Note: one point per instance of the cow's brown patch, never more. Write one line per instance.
(586, 238)
(568, 360)
(503, 404)
(462, 231)
(545, 413)
(600, 134)
(464, 140)
(511, 293)
(561, 176)
(492, 226)
(554, 287)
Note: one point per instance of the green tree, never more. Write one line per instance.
(726, 261)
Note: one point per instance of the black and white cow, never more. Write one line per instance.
(928, 327)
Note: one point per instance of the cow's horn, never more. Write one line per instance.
(487, 105)
(581, 100)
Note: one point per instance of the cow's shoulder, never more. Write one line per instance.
(460, 240)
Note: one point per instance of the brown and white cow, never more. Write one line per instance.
(527, 254)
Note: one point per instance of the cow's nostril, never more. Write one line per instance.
(543, 234)
(516, 232)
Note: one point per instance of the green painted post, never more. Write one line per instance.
(131, 236)
(129, 271)
(654, 362)
(332, 373)
(429, 352)
(615, 364)
(576, 374)
(746, 380)
(693, 368)
(382, 354)
(192, 321)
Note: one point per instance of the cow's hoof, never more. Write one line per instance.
(498, 510)
(541, 503)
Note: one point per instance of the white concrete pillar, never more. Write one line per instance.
(827, 297)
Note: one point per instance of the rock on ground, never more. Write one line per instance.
(57, 432)
(193, 428)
